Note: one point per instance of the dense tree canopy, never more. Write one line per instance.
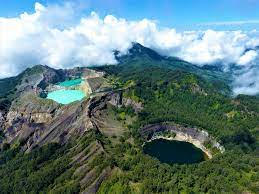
(167, 94)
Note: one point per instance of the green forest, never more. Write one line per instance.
(167, 94)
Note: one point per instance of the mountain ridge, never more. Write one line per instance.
(96, 145)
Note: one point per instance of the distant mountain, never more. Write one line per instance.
(139, 54)
(140, 57)
(137, 50)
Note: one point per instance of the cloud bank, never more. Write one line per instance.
(53, 36)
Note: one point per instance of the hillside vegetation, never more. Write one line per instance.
(187, 95)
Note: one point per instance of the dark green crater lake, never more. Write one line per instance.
(170, 151)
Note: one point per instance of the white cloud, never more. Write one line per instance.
(248, 57)
(247, 82)
(54, 36)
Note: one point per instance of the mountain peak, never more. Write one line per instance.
(138, 50)
(138, 46)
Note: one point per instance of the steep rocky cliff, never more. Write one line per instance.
(25, 116)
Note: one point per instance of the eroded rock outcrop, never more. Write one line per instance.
(39, 121)
(117, 99)
(28, 117)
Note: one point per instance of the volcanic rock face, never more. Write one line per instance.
(1, 122)
(38, 125)
(117, 99)
(67, 121)
(137, 106)
(36, 121)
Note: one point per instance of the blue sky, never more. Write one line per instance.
(187, 14)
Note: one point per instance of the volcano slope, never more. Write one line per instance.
(95, 145)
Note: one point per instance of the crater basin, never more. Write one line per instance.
(70, 83)
(66, 96)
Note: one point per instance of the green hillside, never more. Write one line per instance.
(170, 90)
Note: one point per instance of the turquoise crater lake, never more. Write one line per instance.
(170, 151)
(66, 96)
(70, 83)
